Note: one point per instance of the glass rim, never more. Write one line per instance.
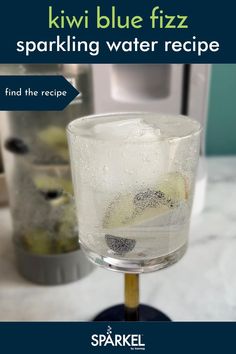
(72, 131)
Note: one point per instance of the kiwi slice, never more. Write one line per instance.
(55, 137)
(67, 226)
(119, 245)
(49, 183)
(119, 212)
(150, 199)
(55, 197)
(130, 210)
(66, 244)
(38, 241)
(42, 242)
(51, 194)
(174, 186)
(67, 234)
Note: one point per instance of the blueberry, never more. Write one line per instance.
(16, 146)
(119, 245)
(51, 194)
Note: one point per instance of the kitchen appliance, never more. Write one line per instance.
(36, 163)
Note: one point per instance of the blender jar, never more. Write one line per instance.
(36, 162)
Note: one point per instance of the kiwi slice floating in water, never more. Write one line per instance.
(132, 209)
(150, 199)
(119, 245)
(175, 187)
(119, 212)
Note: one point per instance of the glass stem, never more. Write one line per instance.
(131, 297)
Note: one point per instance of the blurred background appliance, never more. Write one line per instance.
(36, 163)
(165, 88)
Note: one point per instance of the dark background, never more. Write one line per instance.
(28, 20)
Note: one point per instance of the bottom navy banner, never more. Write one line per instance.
(117, 337)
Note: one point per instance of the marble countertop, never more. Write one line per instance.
(200, 287)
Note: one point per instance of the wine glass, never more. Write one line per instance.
(133, 177)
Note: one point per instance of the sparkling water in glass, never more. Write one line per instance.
(133, 176)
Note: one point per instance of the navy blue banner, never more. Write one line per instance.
(92, 31)
(117, 337)
(35, 93)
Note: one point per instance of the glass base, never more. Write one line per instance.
(117, 313)
(133, 265)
